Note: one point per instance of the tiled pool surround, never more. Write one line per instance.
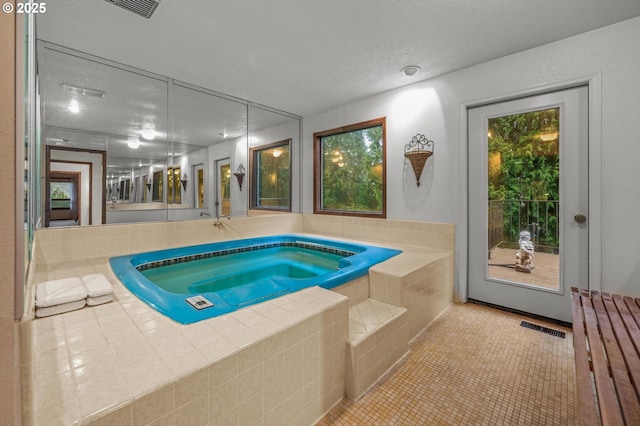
(123, 363)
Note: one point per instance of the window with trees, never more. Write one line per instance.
(157, 186)
(173, 185)
(524, 178)
(349, 170)
(271, 176)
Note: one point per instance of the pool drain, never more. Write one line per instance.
(199, 302)
(542, 329)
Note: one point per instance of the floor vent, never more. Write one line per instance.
(536, 327)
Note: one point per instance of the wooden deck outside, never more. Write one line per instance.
(546, 273)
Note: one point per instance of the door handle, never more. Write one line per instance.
(580, 218)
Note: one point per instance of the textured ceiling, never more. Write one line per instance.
(305, 56)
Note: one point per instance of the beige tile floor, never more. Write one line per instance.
(474, 365)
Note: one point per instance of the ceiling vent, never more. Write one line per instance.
(139, 7)
(84, 91)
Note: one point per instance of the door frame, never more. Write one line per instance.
(594, 84)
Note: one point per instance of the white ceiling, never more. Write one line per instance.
(305, 56)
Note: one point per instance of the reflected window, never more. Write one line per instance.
(173, 186)
(61, 195)
(349, 170)
(157, 186)
(124, 189)
(145, 190)
(271, 176)
(199, 187)
(225, 189)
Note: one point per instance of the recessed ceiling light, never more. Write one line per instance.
(410, 70)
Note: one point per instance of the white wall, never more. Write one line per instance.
(437, 108)
(236, 151)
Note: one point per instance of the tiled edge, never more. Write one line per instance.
(370, 355)
(425, 287)
(357, 290)
(120, 239)
(440, 236)
(427, 292)
(121, 362)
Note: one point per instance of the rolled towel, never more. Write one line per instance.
(58, 292)
(99, 289)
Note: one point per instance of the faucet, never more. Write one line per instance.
(218, 224)
(205, 214)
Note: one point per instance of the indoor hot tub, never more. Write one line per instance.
(189, 284)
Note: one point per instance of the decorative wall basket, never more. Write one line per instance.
(239, 174)
(418, 152)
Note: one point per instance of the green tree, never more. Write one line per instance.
(352, 171)
(524, 167)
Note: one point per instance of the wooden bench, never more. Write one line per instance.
(606, 341)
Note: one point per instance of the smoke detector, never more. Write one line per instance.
(139, 7)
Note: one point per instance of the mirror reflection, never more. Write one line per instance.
(131, 146)
(273, 154)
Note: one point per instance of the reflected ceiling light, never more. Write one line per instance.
(74, 107)
(84, 91)
(133, 143)
(148, 133)
(410, 70)
(224, 134)
(277, 153)
(59, 142)
(548, 137)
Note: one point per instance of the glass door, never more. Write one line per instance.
(528, 198)
(223, 196)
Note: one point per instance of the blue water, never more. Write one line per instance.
(238, 273)
(232, 270)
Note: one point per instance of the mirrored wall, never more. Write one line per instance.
(124, 145)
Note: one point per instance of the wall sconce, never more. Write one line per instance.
(184, 181)
(418, 152)
(239, 174)
(149, 185)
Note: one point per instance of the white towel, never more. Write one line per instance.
(59, 309)
(99, 289)
(58, 292)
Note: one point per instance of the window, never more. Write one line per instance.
(349, 170)
(61, 195)
(157, 186)
(271, 176)
(199, 186)
(173, 186)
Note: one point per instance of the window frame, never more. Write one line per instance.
(317, 168)
(253, 152)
